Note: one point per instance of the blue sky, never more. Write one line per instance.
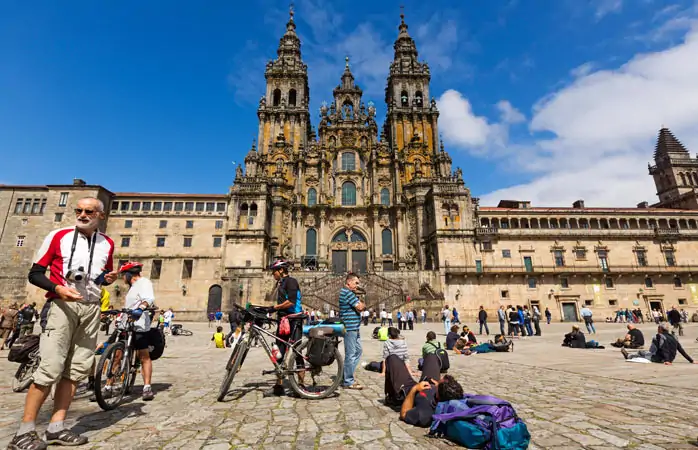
(536, 97)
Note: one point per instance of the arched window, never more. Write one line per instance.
(292, 97)
(253, 209)
(387, 242)
(404, 99)
(683, 179)
(695, 177)
(312, 197)
(243, 209)
(385, 197)
(348, 161)
(418, 98)
(311, 242)
(357, 237)
(348, 194)
(276, 99)
(341, 237)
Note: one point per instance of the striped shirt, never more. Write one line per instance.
(347, 312)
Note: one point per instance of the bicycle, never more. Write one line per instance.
(25, 373)
(177, 330)
(118, 366)
(253, 323)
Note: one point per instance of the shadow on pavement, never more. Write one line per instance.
(237, 394)
(103, 419)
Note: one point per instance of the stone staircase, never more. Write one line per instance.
(382, 292)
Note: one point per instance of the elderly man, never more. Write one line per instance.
(663, 349)
(80, 258)
(634, 339)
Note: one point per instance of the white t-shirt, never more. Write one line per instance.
(424, 312)
(168, 316)
(384, 315)
(331, 312)
(141, 291)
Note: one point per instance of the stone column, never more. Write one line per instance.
(377, 250)
(400, 233)
(418, 230)
(322, 239)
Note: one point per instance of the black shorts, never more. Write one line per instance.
(142, 341)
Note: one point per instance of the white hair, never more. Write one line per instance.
(100, 204)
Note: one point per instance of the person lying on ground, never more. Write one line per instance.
(574, 339)
(397, 346)
(399, 381)
(634, 339)
(420, 403)
(663, 349)
(452, 337)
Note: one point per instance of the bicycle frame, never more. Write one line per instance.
(279, 367)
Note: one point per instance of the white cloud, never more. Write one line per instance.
(603, 127)
(458, 123)
(606, 7)
(509, 114)
(582, 70)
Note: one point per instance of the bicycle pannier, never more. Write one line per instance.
(321, 348)
(22, 348)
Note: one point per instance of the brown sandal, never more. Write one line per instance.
(355, 386)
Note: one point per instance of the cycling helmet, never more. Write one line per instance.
(131, 267)
(279, 264)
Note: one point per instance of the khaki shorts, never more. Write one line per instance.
(68, 344)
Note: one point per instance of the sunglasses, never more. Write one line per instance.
(89, 212)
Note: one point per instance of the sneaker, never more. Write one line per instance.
(27, 441)
(148, 394)
(65, 437)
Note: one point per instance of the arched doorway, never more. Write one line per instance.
(215, 298)
(349, 252)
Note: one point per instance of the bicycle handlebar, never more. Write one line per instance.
(115, 312)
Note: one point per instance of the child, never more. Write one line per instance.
(218, 338)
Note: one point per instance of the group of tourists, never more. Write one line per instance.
(15, 322)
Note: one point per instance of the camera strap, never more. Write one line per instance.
(92, 251)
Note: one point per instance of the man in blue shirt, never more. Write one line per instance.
(350, 308)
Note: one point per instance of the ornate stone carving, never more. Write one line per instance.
(310, 221)
(311, 181)
(348, 138)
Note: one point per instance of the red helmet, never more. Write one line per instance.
(131, 266)
(279, 264)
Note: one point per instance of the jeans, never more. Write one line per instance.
(447, 326)
(590, 326)
(529, 329)
(501, 327)
(487, 330)
(352, 355)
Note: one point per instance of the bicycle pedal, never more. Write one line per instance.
(268, 372)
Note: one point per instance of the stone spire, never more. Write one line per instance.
(667, 143)
(290, 43)
(404, 46)
(347, 76)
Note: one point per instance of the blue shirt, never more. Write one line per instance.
(289, 290)
(350, 316)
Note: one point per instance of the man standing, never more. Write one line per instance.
(384, 317)
(28, 316)
(424, 316)
(501, 315)
(350, 313)
(446, 318)
(674, 318)
(140, 296)
(482, 319)
(77, 256)
(8, 322)
(588, 321)
(168, 316)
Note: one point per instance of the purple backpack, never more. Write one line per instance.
(480, 421)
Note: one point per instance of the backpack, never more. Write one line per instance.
(23, 347)
(441, 353)
(502, 344)
(375, 333)
(480, 421)
(322, 346)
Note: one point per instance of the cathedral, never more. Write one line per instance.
(347, 196)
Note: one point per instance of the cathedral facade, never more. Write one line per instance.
(381, 201)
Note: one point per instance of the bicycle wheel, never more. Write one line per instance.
(23, 377)
(325, 380)
(112, 377)
(184, 332)
(234, 363)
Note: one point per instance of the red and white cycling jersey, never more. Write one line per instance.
(55, 252)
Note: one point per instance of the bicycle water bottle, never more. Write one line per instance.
(275, 352)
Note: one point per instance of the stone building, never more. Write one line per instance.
(381, 201)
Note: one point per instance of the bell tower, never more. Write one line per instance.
(675, 173)
(284, 119)
(411, 122)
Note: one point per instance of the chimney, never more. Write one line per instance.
(579, 204)
(78, 182)
(643, 205)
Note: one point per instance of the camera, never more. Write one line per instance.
(76, 275)
(360, 290)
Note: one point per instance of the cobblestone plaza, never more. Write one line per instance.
(569, 398)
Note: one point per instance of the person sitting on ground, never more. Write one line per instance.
(574, 339)
(452, 337)
(634, 339)
(397, 346)
(468, 335)
(431, 345)
(663, 349)
(420, 403)
(218, 338)
(383, 333)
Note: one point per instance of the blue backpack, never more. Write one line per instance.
(480, 421)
